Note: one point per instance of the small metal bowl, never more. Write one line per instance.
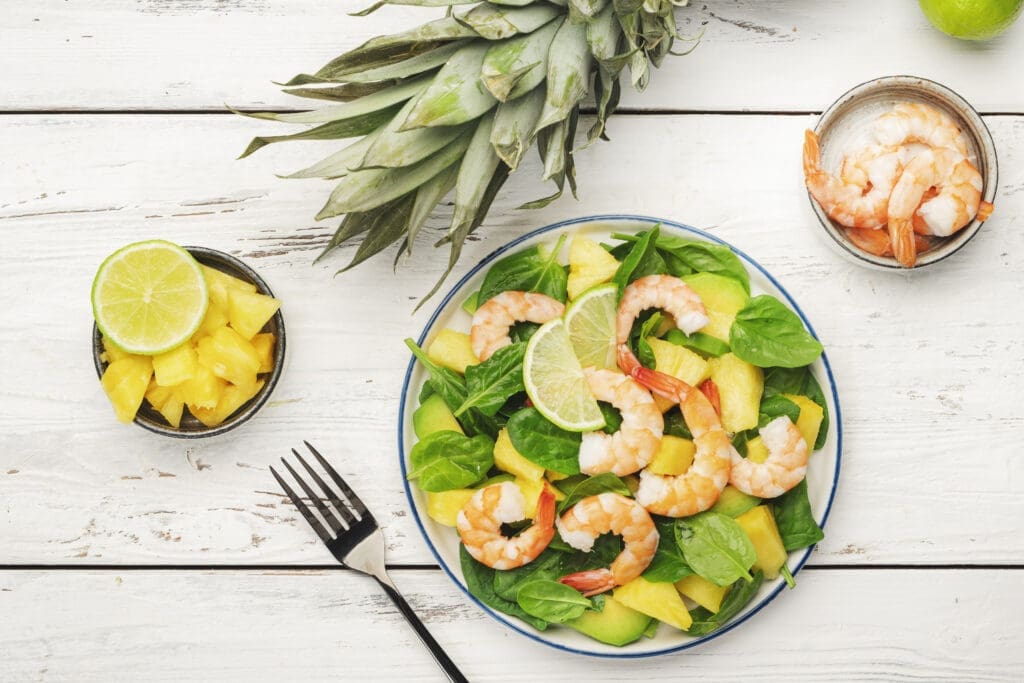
(191, 428)
(847, 122)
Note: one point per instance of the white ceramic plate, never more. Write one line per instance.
(822, 472)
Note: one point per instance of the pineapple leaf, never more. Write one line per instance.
(346, 128)
(516, 66)
(346, 92)
(389, 223)
(393, 147)
(568, 72)
(514, 123)
(588, 8)
(456, 95)
(478, 166)
(353, 224)
(339, 164)
(381, 99)
(419, 3)
(495, 22)
(420, 63)
(428, 197)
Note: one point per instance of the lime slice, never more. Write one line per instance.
(149, 297)
(555, 383)
(590, 323)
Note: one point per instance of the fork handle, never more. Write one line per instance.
(440, 656)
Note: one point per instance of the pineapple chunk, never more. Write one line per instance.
(264, 345)
(231, 399)
(759, 525)
(508, 459)
(809, 422)
(702, 592)
(229, 356)
(674, 456)
(452, 350)
(680, 362)
(203, 390)
(215, 317)
(219, 283)
(589, 265)
(531, 490)
(658, 600)
(248, 312)
(444, 506)
(158, 395)
(175, 366)
(740, 385)
(172, 410)
(756, 450)
(126, 381)
(111, 352)
(722, 297)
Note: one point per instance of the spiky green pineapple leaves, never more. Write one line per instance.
(456, 103)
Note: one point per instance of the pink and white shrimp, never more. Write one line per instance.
(666, 292)
(634, 445)
(784, 468)
(492, 320)
(479, 525)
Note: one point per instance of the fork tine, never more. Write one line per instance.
(301, 507)
(325, 511)
(345, 490)
(331, 495)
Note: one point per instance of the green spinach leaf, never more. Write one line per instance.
(703, 344)
(480, 583)
(605, 482)
(716, 547)
(675, 424)
(638, 260)
(552, 601)
(773, 407)
(543, 443)
(683, 257)
(795, 519)
(452, 388)
(668, 564)
(471, 304)
(449, 460)
(767, 333)
(548, 565)
(530, 270)
(741, 593)
(491, 383)
(612, 417)
(798, 381)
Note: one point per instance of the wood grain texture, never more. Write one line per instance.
(784, 55)
(842, 625)
(928, 363)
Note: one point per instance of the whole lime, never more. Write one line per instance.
(971, 19)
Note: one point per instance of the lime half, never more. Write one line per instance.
(149, 297)
(555, 383)
(590, 323)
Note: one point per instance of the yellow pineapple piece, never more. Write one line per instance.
(531, 490)
(158, 395)
(680, 362)
(740, 385)
(229, 356)
(231, 399)
(219, 283)
(203, 390)
(216, 316)
(759, 525)
(674, 456)
(659, 600)
(175, 366)
(264, 345)
(172, 410)
(756, 450)
(444, 506)
(126, 381)
(589, 265)
(809, 422)
(702, 592)
(452, 350)
(248, 312)
(111, 352)
(508, 459)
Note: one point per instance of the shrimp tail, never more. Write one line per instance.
(710, 390)
(590, 582)
(628, 362)
(545, 516)
(661, 384)
(812, 154)
(904, 247)
(984, 211)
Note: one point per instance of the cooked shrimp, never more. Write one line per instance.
(957, 198)
(847, 203)
(479, 524)
(915, 122)
(785, 467)
(609, 512)
(492, 320)
(875, 167)
(666, 292)
(634, 445)
(877, 242)
(699, 487)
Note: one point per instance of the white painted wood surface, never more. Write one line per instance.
(928, 364)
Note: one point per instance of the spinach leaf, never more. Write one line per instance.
(740, 439)
(788, 577)
(795, 520)
(543, 443)
(798, 381)
(668, 564)
(449, 460)
(703, 344)
(548, 565)
(606, 482)
(645, 326)
(604, 551)
(715, 547)
(683, 257)
(471, 303)
(612, 417)
(480, 583)
(639, 253)
(675, 424)
(773, 407)
(522, 331)
(741, 593)
(490, 384)
(426, 391)
(452, 388)
(531, 270)
(552, 601)
(768, 334)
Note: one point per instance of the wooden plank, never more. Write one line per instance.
(256, 626)
(927, 363)
(198, 54)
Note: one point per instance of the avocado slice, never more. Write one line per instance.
(616, 624)
(433, 415)
(722, 297)
(733, 502)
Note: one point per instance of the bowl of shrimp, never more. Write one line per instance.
(901, 172)
(596, 542)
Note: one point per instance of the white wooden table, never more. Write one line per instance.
(128, 556)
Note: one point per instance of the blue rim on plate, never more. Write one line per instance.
(443, 306)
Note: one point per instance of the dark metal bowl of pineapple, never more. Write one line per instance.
(190, 427)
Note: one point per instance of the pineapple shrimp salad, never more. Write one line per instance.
(621, 445)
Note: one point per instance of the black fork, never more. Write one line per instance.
(355, 539)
